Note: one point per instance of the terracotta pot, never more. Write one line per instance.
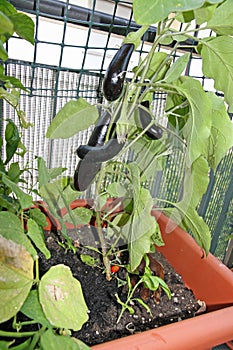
(210, 281)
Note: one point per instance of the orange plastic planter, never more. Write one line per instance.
(210, 280)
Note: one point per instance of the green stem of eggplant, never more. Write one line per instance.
(106, 261)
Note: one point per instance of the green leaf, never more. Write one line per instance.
(24, 198)
(177, 68)
(55, 172)
(75, 116)
(62, 300)
(10, 97)
(36, 235)
(197, 128)
(12, 140)
(141, 302)
(23, 346)
(216, 63)
(89, 260)
(4, 345)
(140, 228)
(16, 271)
(3, 55)
(51, 341)
(165, 287)
(23, 26)
(191, 220)
(116, 189)
(39, 217)
(6, 26)
(81, 216)
(33, 310)
(7, 8)
(14, 172)
(157, 10)
(156, 61)
(11, 228)
(221, 138)
(135, 37)
(221, 22)
(196, 181)
(13, 81)
(43, 172)
(204, 13)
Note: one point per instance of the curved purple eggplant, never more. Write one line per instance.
(115, 75)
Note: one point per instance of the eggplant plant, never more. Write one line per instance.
(193, 119)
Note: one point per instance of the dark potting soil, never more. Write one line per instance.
(100, 296)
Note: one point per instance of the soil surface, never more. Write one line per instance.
(101, 300)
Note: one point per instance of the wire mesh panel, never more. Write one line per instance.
(74, 44)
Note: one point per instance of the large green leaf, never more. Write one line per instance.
(221, 138)
(62, 300)
(197, 128)
(222, 20)
(157, 10)
(16, 271)
(196, 181)
(75, 116)
(140, 228)
(11, 228)
(217, 64)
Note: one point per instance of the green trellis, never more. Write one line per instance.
(51, 85)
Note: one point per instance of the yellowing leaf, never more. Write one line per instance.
(61, 297)
(16, 277)
(11, 228)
